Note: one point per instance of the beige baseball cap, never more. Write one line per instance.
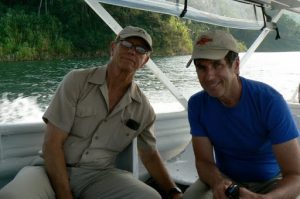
(131, 31)
(213, 45)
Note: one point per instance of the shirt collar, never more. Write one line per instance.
(99, 77)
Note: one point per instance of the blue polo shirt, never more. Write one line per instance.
(243, 135)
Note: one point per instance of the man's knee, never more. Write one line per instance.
(31, 182)
(150, 193)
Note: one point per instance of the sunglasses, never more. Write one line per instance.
(139, 49)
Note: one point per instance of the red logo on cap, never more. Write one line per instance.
(203, 41)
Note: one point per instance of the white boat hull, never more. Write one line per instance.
(20, 143)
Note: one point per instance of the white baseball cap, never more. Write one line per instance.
(131, 31)
(213, 45)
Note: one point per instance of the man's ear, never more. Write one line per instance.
(112, 48)
(145, 61)
(236, 65)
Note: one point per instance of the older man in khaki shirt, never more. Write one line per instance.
(103, 133)
(94, 115)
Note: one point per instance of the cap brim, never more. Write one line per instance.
(124, 36)
(214, 54)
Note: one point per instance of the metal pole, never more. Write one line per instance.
(299, 93)
(259, 40)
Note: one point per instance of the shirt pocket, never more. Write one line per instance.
(124, 137)
(84, 121)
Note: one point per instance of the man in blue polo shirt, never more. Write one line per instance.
(243, 134)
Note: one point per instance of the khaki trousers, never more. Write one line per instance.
(32, 183)
(108, 184)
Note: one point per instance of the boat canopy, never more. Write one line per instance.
(228, 13)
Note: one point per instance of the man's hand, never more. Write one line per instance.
(155, 166)
(219, 189)
(175, 193)
(177, 196)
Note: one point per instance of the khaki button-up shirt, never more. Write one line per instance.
(95, 136)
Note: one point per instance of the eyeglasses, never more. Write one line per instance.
(138, 49)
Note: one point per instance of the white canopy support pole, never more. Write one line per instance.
(259, 40)
(113, 24)
(104, 15)
(135, 159)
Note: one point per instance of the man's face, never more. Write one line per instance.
(216, 77)
(128, 54)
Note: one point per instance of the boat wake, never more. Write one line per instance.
(27, 109)
(19, 110)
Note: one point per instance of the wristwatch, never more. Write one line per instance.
(172, 191)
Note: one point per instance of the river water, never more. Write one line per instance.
(27, 87)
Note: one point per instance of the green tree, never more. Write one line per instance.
(27, 37)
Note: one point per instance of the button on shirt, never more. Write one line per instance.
(95, 136)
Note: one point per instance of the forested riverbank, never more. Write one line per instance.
(48, 29)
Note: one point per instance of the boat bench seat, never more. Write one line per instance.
(20, 145)
(182, 168)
